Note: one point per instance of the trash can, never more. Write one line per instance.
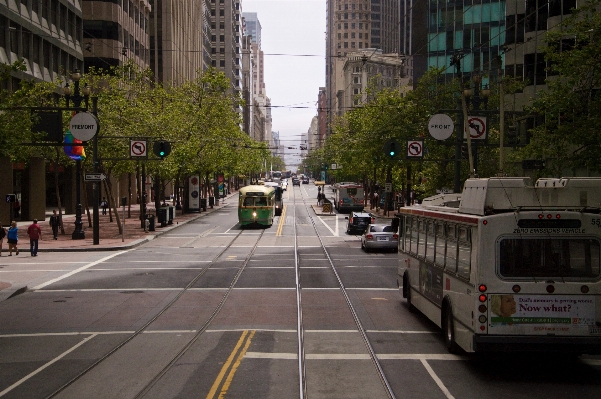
(150, 219)
(171, 214)
(162, 216)
(203, 204)
(211, 201)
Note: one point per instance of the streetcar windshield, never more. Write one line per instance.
(255, 201)
(549, 257)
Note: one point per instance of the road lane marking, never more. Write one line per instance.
(325, 224)
(56, 359)
(226, 366)
(232, 372)
(437, 380)
(281, 221)
(64, 276)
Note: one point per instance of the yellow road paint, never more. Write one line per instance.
(226, 366)
(230, 376)
(281, 222)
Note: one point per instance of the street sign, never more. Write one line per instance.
(388, 187)
(440, 126)
(334, 166)
(137, 148)
(94, 176)
(415, 149)
(477, 127)
(83, 126)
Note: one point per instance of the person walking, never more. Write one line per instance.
(12, 238)
(2, 235)
(55, 223)
(104, 205)
(35, 233)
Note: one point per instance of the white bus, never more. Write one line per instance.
(348, 197)
(507, 265)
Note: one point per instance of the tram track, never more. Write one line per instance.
(173, 301)
(355, 316)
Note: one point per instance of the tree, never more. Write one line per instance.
(569, 139)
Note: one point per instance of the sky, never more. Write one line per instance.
(295, 28)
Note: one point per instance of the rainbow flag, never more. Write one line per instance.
(76, 153)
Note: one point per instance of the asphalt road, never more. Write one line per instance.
(208, 309)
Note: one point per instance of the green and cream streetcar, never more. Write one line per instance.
(256, 205)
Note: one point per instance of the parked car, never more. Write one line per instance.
(358, 222)
(380, 236)
(295, 181)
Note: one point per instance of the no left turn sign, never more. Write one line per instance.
(477, 127)
(415, 149)
(138, 148)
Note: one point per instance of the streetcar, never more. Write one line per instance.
(507, 265)
(278, 197)
(348, 197)
(256, 205)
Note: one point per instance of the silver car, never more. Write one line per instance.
(380, 236)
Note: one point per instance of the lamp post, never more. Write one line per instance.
(478, 97)
(77, 97)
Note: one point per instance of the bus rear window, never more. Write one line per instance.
(549, 257)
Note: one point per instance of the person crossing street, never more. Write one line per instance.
(35, 233)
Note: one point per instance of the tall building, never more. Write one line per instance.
(47, 36)
(413, 30)
(226, 24)
(179, 47)
(353, 25)
(116, 32)
(253, 26)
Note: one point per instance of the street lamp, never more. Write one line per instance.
(76, 96)
(479, 97)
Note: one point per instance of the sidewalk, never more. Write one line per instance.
(110, 239)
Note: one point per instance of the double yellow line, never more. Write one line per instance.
(281, 222)
(226, 385)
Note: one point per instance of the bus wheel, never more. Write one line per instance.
(448, 329)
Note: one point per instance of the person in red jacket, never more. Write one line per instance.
(35, 233)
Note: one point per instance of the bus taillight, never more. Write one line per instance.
(482, 308)
(516, 288)
(550, 289)
(482, 298)
(482, 288)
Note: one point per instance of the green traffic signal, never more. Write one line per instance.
(391, 148)
(161, 148)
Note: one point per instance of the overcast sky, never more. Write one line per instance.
(296, 28)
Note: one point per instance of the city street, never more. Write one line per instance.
(207, 309)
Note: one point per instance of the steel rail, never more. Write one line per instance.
(161, 312)
(302, 371)
(358, 323)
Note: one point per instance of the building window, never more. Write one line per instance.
(345, 44)
(345, 35)
(352, 35)
(222, 63)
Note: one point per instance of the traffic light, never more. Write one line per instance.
(464, 151)
(161, 148)
(512, 136)
(392, 149)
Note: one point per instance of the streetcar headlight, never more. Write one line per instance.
(254, 214)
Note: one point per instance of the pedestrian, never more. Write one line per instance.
(318, 199)
(55, 223)
(12, 238)
(35, 233)
(104, 205)
(376, 201)
(2, 235)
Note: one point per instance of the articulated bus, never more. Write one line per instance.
(348, 197)
(256, 205)
(507, 265)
